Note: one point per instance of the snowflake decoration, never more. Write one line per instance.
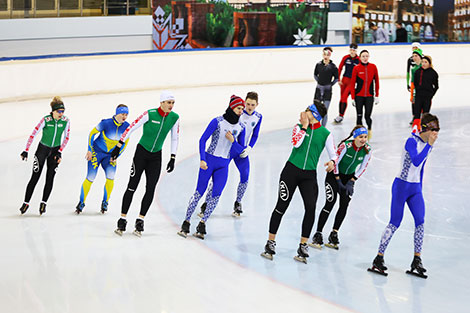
(302, 38)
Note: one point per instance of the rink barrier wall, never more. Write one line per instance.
(102, 73)
(45, 36)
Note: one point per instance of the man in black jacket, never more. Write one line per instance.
(326, 75)
(402, 34)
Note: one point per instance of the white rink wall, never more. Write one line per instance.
(44, 78)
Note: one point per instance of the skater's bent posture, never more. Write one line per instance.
(228, 138)
(157, 123)
(251, 120)
(353, 157)
(110, 131)
(407, 188)
(309, 138)
(55, 136)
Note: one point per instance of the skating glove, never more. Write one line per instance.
(245, 152)
(350, 188)
(115, 152)
(353, 102)
(408, 87)
(376, 100)
(171, 164)
(24, 156)
(341, 187)
(57, 156)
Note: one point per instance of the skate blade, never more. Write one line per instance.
(374, 270)
(199, 235)
(103, 211)
(332, 246)
(200, 214)
(315, 245)
(78, 212)
(118, 232)
(235, 214)
(300, 259)
(137, 233)
(182, 234)
(410, 272)
(267, 256)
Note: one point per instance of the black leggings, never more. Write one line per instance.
(151, 163)
(422, 104)
(368, 103)
(42, 154)
(291, 178)
(331, 194)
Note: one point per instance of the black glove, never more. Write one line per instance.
(408, 87)
(350, 188)
(24, 156)
(341, 187)
(115, 152)
(57, 155)
(171, 164)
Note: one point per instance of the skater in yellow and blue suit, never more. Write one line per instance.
(99, 153)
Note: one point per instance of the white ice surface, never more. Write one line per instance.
(61, 262)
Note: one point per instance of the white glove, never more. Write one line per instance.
(245, 152)
(353, 102)
(376, 100)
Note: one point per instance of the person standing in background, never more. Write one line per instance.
(379, 35)
(426, 83)
(349, 61)
(401, 33)
(365, 89)
(326, 75)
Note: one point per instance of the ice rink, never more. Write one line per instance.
(61, 262)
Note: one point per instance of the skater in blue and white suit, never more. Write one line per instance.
(251, 119)
(407, 188)
(228, 138)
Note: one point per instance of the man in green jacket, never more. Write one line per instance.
(309, 138)
(157, 124)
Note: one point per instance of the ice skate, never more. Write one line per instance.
(417, 268)
(42, 208)
(139, 227)
(378, 266)
(203, 209)
(79, 207)
(184, 229)
(302, 253)
(338, 119)
(121, 226)
(104, 206)
(269, 250)
(369, 134)
(237, 209)
(317, 240)
(24, 208)
(200, 230)
(333, 240)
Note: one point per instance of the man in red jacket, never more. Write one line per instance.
(349, 61)
(365, 89)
